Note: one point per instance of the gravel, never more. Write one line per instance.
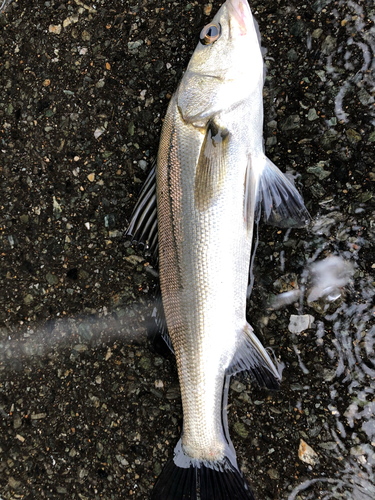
(88, 408)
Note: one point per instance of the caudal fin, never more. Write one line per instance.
(185, 479)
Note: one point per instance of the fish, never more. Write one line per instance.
(196, 214)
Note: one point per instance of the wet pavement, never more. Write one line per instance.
(88, 409)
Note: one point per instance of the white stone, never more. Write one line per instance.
(299, 323)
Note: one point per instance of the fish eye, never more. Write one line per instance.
(210, 33)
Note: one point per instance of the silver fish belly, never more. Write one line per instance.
(211, 177)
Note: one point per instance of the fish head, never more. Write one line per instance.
(226, 66)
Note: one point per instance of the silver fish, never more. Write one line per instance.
(212, 176)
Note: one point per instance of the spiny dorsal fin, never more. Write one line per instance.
(143, 227)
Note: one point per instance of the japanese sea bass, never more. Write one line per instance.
(212, 176)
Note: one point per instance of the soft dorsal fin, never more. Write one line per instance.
(158, 325)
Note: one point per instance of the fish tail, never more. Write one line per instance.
(184, 478)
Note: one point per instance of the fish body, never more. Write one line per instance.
(211, 177)
(204, 235)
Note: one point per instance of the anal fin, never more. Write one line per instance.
(253, 357)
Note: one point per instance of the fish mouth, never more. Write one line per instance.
(240, 11)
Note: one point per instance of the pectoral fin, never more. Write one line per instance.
(211, 167)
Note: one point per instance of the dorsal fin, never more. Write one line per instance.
(143, 223)
(143, 230)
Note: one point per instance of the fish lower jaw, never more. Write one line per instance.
(211, 454)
